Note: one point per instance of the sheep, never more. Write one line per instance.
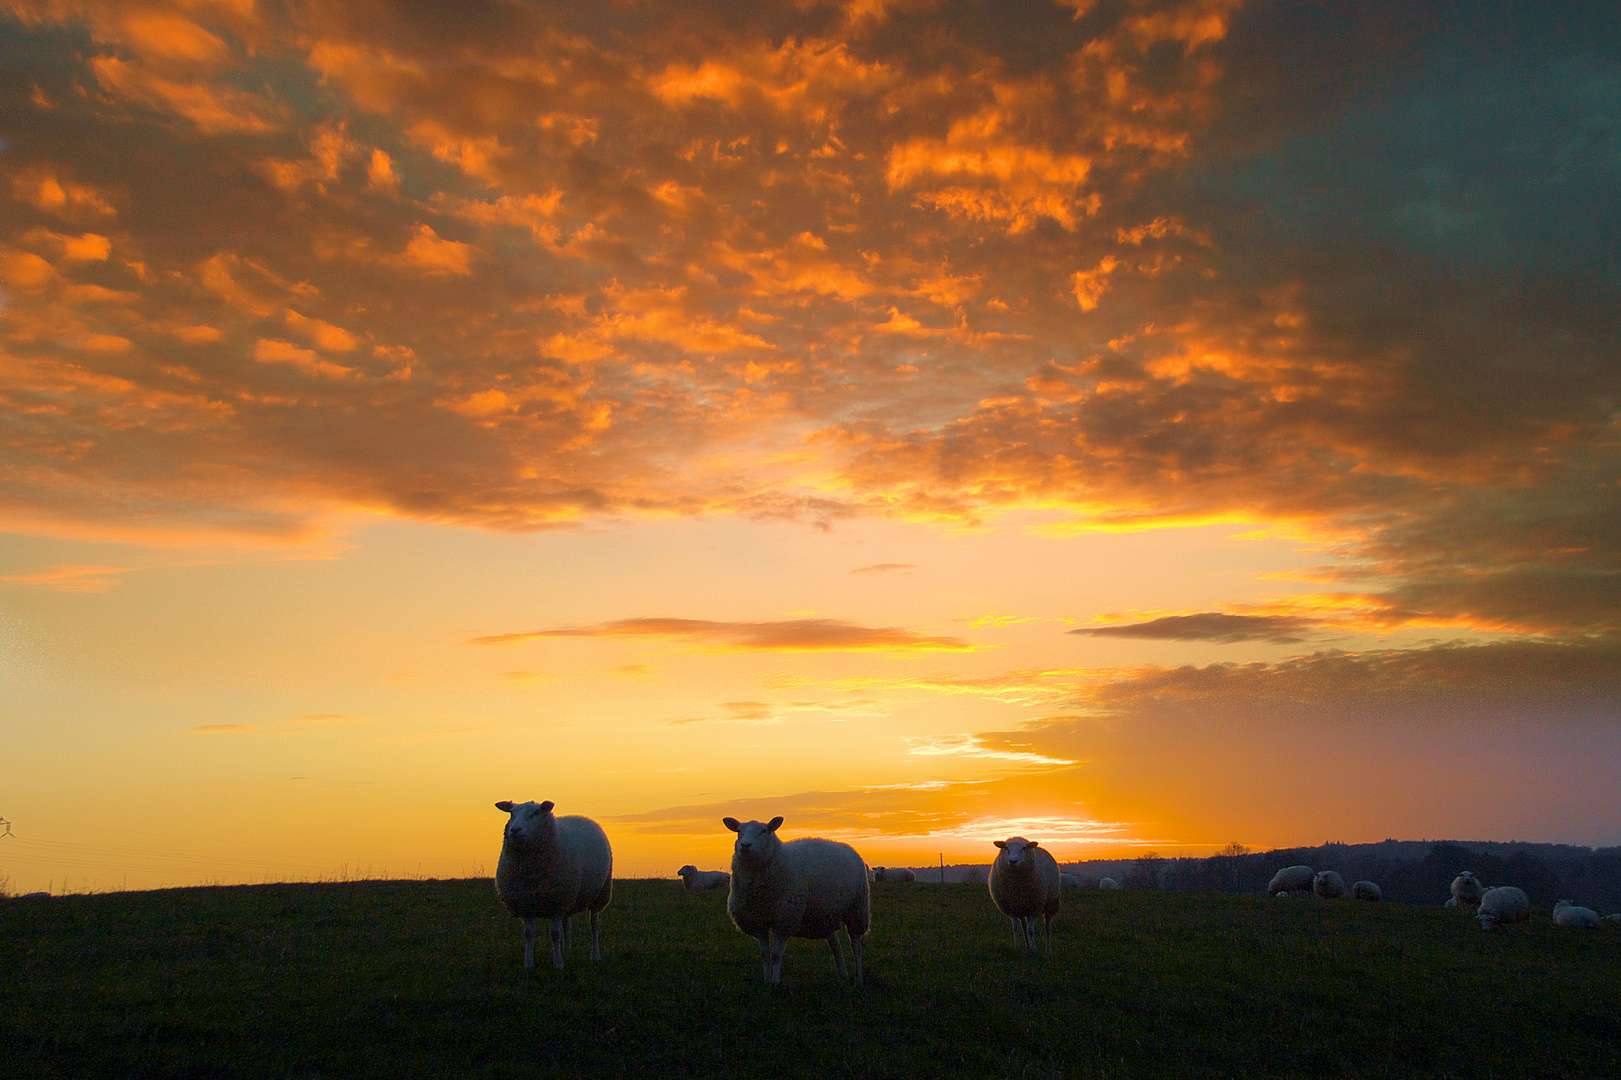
(805, 888)
(1327, 885)
(1505, 904)
(1108, 883)
(552, 868)
(1024, 884)
(1291, 879)
(696, 880)
(1467, 890)
(1452, 902)
(1068, 881)
(1612, 919)
(1366, 890)
(1567, 914)
(892, 873)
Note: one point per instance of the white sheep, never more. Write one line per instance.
(1467, 891)
(1327, 885)
(553, 868)
(697, 880)
(1068, 881)
(892, 873)
(1291, 879)
(1366, 890)
(805, 888)
(1567, 914)
(1452, 902)
(1108, 883)
(1025, 884)
(1502, 905)
(1616, 919)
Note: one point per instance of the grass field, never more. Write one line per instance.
(425, 979)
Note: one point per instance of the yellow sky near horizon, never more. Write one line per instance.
(1142, 423)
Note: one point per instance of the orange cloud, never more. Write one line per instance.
(794, 635)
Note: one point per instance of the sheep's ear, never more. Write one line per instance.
(774, 824)
(1000, 843)
(730, 823)
(504, 804)
(546, 807)
(1033, 843)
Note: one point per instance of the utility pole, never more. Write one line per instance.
(942, 868)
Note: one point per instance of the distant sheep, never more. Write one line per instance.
(1025, 885)
(1068, 881)
(1502, 905)
(892, 873)
(805, 888)
(1612, 920)
(1567, 914)
(1108, 883)
(1291, 879)
(1467, 891)
(1452, 902)
(553, 868)
(697, 880)
(1327, 885)
(1366, 890)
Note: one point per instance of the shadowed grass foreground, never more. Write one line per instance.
(422, 979)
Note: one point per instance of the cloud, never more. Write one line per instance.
(76, 579)
(793, 635)
(886, 568)
(974, 746)
(226, 729)
(1210, 626)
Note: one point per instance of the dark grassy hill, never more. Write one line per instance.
(424, 979)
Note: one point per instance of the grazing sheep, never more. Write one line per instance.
(1612, 919)
(1327, 885)
(1108, 883)
(1291, 879)
(1024, 884)
(1567, 914)
(892, 873)
(1068, 881)
(552, 868)
(805, 888)
(1366, 890)
(697, 880)
(1467, 891)
(1502, 905)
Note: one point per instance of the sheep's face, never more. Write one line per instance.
(685, 870)
(531, 823)
(1466, 884)
(1017, 852)
(757, 843)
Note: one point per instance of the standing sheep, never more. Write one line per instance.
(1502, 905)
(1025, 884)
(1068, 881)
(1108, 884)
(1366, 890)
(1291, 879)
(696, 880)
(552, 868)
(892, 873)
(1467, 891)
(1327, 885)
(1567, 914)
(805, 888)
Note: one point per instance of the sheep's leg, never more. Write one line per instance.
(596, 935)
(1047, 926)
(559, 928)
(838, 954)
(529, 943)
(855, 947)
(1018, 933)
(568, 933)
(779, 945)
(765, 954)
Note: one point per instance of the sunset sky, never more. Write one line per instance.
(1132, 424)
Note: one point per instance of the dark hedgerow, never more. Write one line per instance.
(425, 979)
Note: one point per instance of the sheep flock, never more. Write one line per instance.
(552, 868)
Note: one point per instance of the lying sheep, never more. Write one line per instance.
(1452, 902)
(894, 873)
(697, 880)
(1068, 881)
(1366, 890)
(1467, 891)
(805, 888)
(552, 868)
(1108, 883)
(1025, 884)
(1291, 879)
(1567, 914)
(1502, 905)
(1327, 885)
